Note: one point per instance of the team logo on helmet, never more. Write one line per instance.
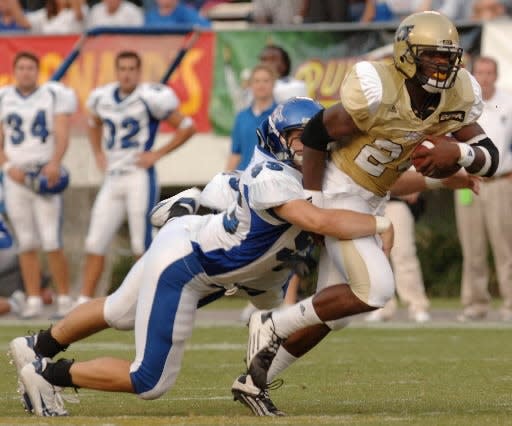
(403, 32)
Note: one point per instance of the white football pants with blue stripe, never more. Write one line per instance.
(160, 297)
(131, 195)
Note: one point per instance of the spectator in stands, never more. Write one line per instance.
(7, 21)
(58, 17)
(277, 12)
(326, 11)
(487, 10)
(285, 87)
(243, 136)
(453, 9)
(369, 11)
(115, 13)
(172, 12)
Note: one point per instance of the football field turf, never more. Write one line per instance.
(432, 375)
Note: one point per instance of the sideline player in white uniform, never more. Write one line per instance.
(195, 259)
(34, 139)
(387, 108)
(123, 122)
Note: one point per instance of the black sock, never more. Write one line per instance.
(57, 373)
(46, 345)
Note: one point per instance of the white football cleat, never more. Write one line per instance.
(45, 398)
(257, 400)
(21, 351)
(188, 200)
(262, 347)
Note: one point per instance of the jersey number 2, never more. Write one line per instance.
(131, 125)
(372, 159)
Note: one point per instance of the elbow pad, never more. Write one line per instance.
(315, 134)
(492, 156)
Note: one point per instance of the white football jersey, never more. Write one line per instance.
(27, 122)
(249, 236)
(130, 124)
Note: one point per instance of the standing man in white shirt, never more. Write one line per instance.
(486, 217)
(123, 123)
(115, 13)
(34, 136)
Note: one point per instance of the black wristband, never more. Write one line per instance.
(315, 134)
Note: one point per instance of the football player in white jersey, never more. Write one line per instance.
(123, 122)
(196, 259)
(387, 108)
(34, 138)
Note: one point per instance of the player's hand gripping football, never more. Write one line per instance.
(440, 161)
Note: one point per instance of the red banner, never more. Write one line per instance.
(192, 81)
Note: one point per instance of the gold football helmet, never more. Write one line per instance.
(418, 40)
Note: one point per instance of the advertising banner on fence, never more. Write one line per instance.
(192, 81)
(320, 58)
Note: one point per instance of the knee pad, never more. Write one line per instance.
(117, 316)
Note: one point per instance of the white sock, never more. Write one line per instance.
(34, 301)
(82, 299)
(281, 362)
(295, 317)
(63, 299)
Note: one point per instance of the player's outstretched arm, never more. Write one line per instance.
(411, 181)
(341, 224)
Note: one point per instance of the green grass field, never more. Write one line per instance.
(360, 376)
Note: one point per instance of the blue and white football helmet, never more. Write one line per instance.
(38, 182)
(290, 115)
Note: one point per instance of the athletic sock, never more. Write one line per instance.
(46, 345)
(296, 317)
(57, 373)
(281, 362)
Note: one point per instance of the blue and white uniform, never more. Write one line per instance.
(28, 128)
(130, 125)
(195, 259)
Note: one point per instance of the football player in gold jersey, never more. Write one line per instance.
(387, 108)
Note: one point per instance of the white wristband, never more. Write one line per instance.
(6, 166)
(317, 197)
(467, 154)
(382, 224)
(431, 183)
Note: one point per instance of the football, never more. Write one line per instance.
(437, 174)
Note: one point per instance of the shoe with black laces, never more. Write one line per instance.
(44, 398)
(262, 347)
(257, 400)
(21, 352)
